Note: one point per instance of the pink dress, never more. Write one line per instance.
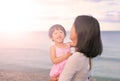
(58, 68)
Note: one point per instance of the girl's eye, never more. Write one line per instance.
(61, 32)
(55, 33)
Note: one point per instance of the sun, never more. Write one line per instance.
(15, 16)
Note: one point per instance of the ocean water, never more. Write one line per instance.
(108, 64)
(32, 53)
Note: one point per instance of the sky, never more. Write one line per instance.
(40, 15)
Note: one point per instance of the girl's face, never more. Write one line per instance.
(58, 36)
(73, 35)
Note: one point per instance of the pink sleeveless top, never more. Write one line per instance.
(58, 68)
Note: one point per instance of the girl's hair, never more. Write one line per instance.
(56, 27)
(89, 39)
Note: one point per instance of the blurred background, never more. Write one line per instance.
(24, 24)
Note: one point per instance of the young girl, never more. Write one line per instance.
(59, 52)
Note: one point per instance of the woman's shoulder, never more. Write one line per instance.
(77, 55)
(74, 59)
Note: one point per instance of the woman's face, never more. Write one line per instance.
(73, 35)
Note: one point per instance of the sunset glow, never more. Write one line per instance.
(38, 15)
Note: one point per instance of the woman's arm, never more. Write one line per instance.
(55, 59)
(70, 69)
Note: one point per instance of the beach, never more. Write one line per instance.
(23, 76)
(7, 75)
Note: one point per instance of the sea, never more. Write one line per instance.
(31, 52)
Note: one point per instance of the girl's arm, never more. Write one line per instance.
(55, 59)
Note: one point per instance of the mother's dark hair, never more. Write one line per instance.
(89, 38)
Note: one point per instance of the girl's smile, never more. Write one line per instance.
(58, 36)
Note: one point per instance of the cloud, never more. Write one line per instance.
(51, 2)
(65, 11)
(54, 18)
(111, 16)
(96, 1)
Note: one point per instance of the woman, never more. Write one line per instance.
(85, 34)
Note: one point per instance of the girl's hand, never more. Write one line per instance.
(68, 54)
(68, 44)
